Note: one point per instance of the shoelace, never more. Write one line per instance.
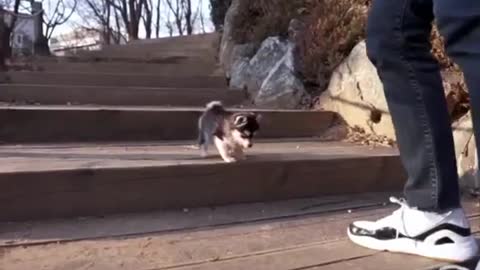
(397, 214)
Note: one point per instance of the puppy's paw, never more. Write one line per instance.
(230, 160)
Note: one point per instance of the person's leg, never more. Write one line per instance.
(398, 44)
(459, 23)
(431, 222)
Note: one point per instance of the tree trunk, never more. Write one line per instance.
(188, 16)
(157, 27)
(148, 18)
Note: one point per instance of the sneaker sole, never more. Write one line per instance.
(464, 251)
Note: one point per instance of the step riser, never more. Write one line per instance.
(42, 126)
(94, 192)
(92, 79)
(132, 96)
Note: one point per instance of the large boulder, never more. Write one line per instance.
(227, 43)
(269, 76)
(282, 88)
(250, 73)
(356, 93)
(466, 153)
(240, 67)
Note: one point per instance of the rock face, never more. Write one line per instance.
(356, 93)
(266, 71)
(250, 72)
(239, 69)
(227, 43)
(465, 151)
(269, 76)
(281, 88)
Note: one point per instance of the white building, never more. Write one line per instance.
(23, 36)
(80, 39)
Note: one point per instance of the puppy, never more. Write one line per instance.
(232, 133)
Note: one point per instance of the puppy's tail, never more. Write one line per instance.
(215, 106)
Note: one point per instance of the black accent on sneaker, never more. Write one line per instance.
(444, 240)
(389, 233)
(445, 226)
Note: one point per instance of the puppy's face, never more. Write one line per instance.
(244, 127)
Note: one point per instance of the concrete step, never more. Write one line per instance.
(284, 235)
(203, 46)
(111, 95)
(154, 52)
(53, 181)
(166, 69)
(39, 124)
(89, 57)
(62, 230)
(119, 80)
(197, 39)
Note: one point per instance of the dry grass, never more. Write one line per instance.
(263, 18)
(458, 99)
(438, 51)
(333, 28)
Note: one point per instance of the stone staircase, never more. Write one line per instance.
(113, 138)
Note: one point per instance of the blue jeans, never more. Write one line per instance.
(398, 45)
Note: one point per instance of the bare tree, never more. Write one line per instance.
(61, 14)
(176, 9)
(201, 17)
(128, 17)
(169, 25)
(101, 16)
(148, 18)
(187, 11)
(157, 24)
(98, 13)
(131, 14)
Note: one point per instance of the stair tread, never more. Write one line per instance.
(94, 107)
(277, 235)
(159, 88)
(20, 158)
(68, 229)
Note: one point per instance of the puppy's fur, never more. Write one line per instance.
(232, 133)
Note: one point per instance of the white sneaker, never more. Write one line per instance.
(444, 236)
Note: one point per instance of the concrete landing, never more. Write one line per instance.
(286, 235)
(48, 181)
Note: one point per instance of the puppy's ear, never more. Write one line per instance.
(240, 120)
